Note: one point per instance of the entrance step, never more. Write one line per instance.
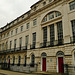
(46, 73)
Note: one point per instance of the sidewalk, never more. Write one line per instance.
(6, 72)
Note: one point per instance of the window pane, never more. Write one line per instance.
(52, 34)
(60, 32)
(72, 5)
(51, 15)
(45, 34)
(27, 38)
(27, 26)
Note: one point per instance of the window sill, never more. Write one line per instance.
(27, 29)
(34, 26)
(71, 11)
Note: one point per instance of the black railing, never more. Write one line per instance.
(18, 49)
(7, 66)
(43, 45)
(32, 46)
(52, 43)
(69, 69)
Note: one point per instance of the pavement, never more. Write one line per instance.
(6, 72)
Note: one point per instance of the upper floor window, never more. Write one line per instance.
(21, 28)
(45, 34)
(51, 15)
(34, 38)
(45, 19)
(72, 5)
(15, 42)
(6, 45)
(73, 28)
(7, 34)
(34, 22)
(27, 38)
(27, 26)
(74, 56)
(16, 30)
(3, 46)
(12, 32)
(57, 14)
(10, 44)
(20, 42)
(0, 46)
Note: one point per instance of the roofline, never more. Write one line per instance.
(21, 15)
(36, 3)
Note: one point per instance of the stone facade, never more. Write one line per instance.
(43, 14)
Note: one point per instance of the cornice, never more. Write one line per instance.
(31, 14)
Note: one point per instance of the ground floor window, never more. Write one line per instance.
(19, 60)
(32, 60)
(13, 60)
(25, 60)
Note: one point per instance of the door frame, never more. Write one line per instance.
(42, 64)
(57, 62)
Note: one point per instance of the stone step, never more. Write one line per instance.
(46, 73)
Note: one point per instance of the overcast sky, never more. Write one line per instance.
(11, 9)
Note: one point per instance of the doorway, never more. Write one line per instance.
(60, 65)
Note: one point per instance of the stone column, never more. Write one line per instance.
(48, 33)
(56, 36)
(55, 30)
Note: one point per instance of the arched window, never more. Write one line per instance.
(51, 15)
(60, 53)
(43, 54)
(19, 60)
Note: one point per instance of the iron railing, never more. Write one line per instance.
(52, 43)
(32, 46)
(18, 49)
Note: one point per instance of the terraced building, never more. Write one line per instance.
(42, 39)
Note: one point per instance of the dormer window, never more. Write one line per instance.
(35, 8)
(50, 0)
(17, 19)
(44, 3)
(23, 17)
(28, 13)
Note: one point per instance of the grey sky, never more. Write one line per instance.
(11, 9)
